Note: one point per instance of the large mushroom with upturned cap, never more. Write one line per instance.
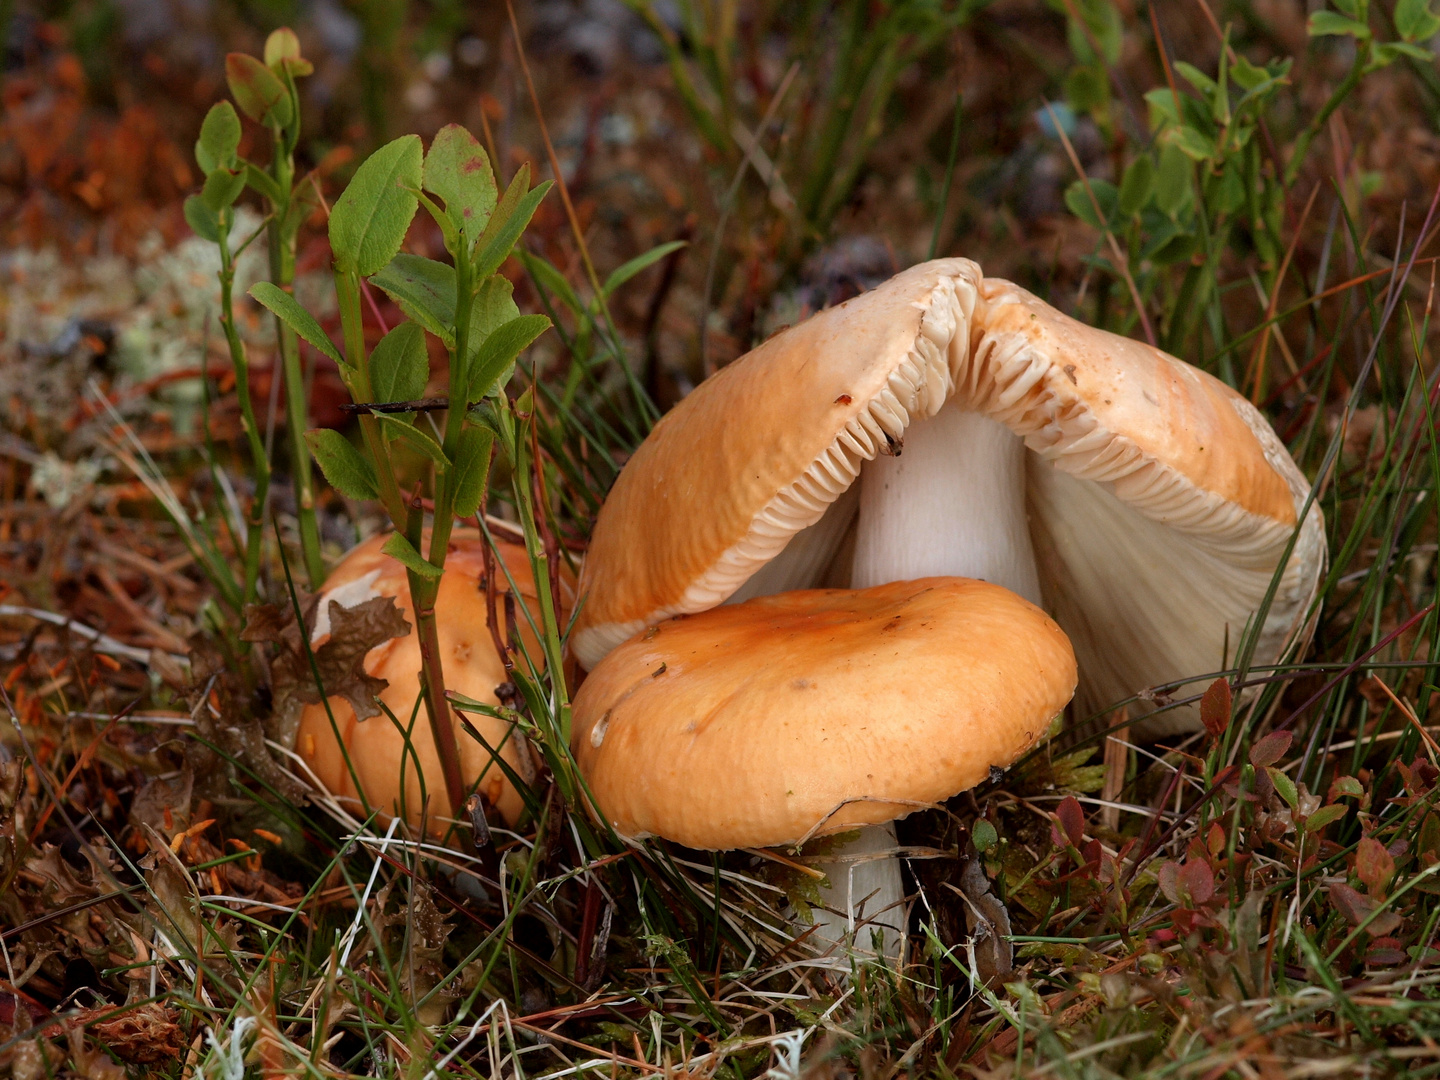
(815, 713)
(946, 424)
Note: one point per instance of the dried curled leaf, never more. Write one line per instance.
(339, 659)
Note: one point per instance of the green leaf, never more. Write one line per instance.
(1192, 143)
(442, 220)
(1196, 78)
(506, 226)
(983, 835)
(499, 351)
(219, 138)
(457, 170)
(1391, 51)
(203, 221)
(626, 271)
(1326, 815)
(369, 220)
(1163, 107)
(1173, 181)
(400, 549)
(258, 91)
(425, 291)
(399, 365)
(282, 53)
(1081, 205)
(1323, 23)
(396, 428)
(472, 469)
(222, 188)
(1135, 187)
(1415, 21)
(344, 467)
(1284, 786)
(493, 307)
(263, 183)
(288, 310)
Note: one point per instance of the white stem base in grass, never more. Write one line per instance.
(865, 897)
(951, 503)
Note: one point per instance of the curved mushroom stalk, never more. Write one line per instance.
(864, 897)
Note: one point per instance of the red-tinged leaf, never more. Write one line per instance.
(1072, 820)
(1374, 866)
(1215, 839)
(1091, 852)
(1271, 748)
(1344, 787)
(1168, 878)
(1351, 903)
(1262, 786)
(256, 89)
(1198, 880)
(1215, 708)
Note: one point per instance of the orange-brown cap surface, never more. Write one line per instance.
(815, 712)
(1160, 501)
(471, 668)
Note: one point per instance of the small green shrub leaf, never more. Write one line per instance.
(258, 91)
(1136, 186)
(493, 307)
(400, 549)
(203, 221)
(505, 228)
(1323, 23)
(344, 467)
(399, 365)
(1415, 20)
(219, 138)
(1083, 206)
(984, 836)
(264, 183)
(1173, 180)
(457, 170)
(1326, 815)
(396, 428)
(625, 271)
(288, 310)
(282, 53)
(369, 220)
(496, 356)
(472, 469)
(1284, 786)
(425, 291)
(222, 188)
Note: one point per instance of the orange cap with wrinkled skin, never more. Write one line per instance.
(471, 666)
(815, 712)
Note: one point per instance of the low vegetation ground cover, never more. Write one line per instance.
(1252, 186)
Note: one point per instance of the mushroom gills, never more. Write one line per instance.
(950, 502)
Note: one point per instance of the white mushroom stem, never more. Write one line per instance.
(865, 896)
(950, 503)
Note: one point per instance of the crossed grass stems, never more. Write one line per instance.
(715, 964)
